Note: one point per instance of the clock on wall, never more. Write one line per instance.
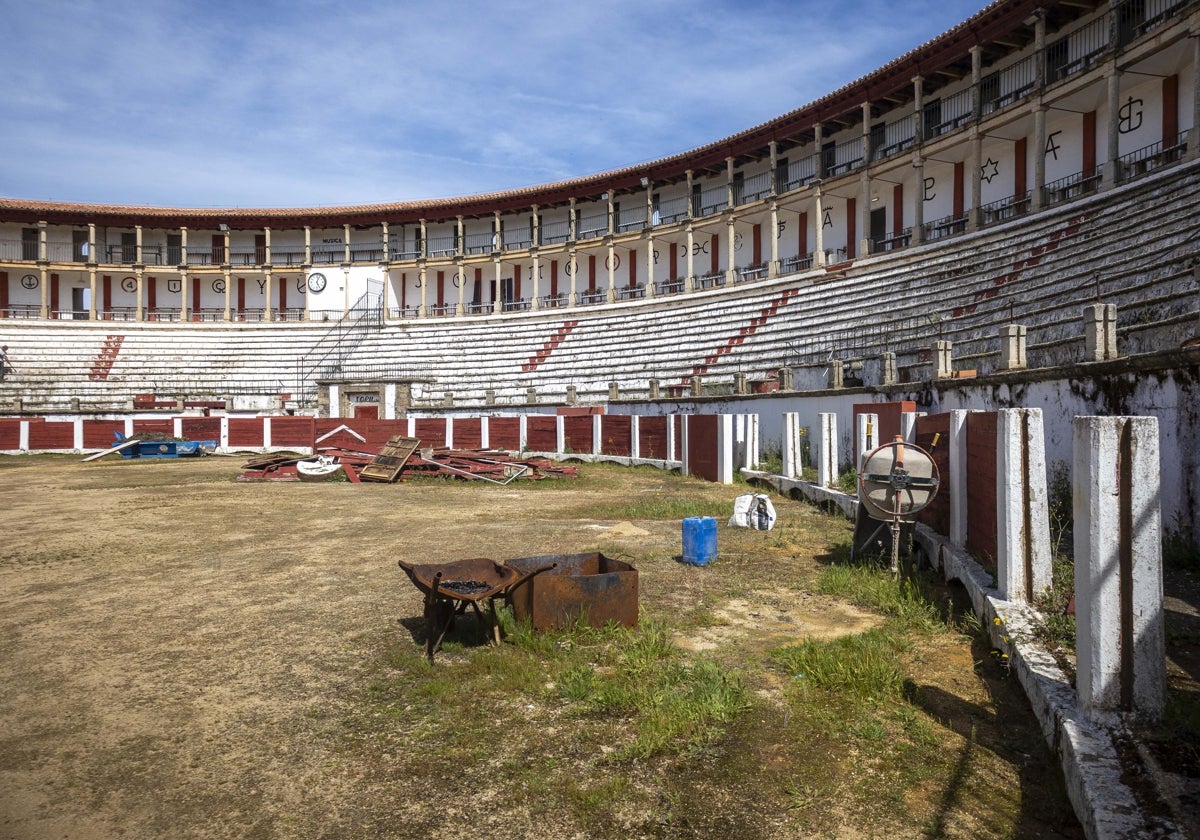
(316, 282)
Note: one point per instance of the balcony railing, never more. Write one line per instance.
(898, 136)
(754, 188)
(443, 246)
(593, 226)
(1149, 158)
(555, 232)
(947, 114)
(796, 263)
(1072, 186)
(633, 218)
(671, 211)
(714, 200)
(482, 243)
(631, 292)
(1005, 208)
(800, 172)
(845, 157)
(945, 226)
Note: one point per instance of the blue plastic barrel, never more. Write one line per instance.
(699, 540)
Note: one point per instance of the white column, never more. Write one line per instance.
(1100, 332)
(635, 444)
(868, 436)
(725, 447)
(827, 466)
(1119, 618)
(793, 457)
(672, 444)
(1023, 557)
(957, 444)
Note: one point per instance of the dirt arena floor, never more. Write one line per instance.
(180, 652)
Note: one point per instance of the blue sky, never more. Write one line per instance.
(300, 104)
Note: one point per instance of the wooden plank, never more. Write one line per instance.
(95, 455)
(386, 466)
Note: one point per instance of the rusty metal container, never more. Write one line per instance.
(589, 587)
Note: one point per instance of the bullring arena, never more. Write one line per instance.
(988, 246)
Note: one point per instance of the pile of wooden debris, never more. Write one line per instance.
(404, 458)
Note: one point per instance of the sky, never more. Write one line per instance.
(305, 103)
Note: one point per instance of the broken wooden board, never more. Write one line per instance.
(386, 466)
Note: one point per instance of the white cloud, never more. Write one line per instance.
(296, 104)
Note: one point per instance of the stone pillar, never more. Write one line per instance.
(975, 167)
(268, 308)
(1120, 644)
(731, 241)
(793, 445)
(140, 311)
(835, 373)
(867, 437)
(1023, 557)
(866, 246)
(614, 392)
(572, 395)
(92, 296)
(611, 263)
(773, 267)
(827, 465)
(573, 272)
(653, 385)
(531, 395)
(1039, 156)
(739, 384)
(44, 290)
(888, 373)
(918, 225)
(690, 281)
(423, 283)
(228, 313)
(819, 209)
(943, 363)
(649, 262)
(307, 245)
(496, 296)
(460, 267)
(784, 376)
(1012, 347)
(1100, 332)
(697, 386)
(535, 301)
(1111, 174)
(489, 397)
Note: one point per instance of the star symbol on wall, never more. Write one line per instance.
(989, 170)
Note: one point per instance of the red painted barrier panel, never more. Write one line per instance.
(293, 431)
(981, 486)
(246, 431)
(101, 434)
(431, 431)
(577, 434)
(468, 433)
(937, 513)
(504, 433)
(652, 437)
(616, 434)
(10, 434)
(541, 433)
(52, 435)
(201, 428)
(154, 427)
(702, 446)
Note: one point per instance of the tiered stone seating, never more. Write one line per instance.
(1134, 245)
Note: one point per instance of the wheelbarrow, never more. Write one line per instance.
(449, 588)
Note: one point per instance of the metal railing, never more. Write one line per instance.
(944, 115)
(898, 136)
(1154, 156)
(671, 211)
(1005, 87)
(631, 218)
(845, 157)
(593, 226)
(754, 188)
(714, 200)
(482, 243)
(1072, 186)
(331, 352)
(555, 232)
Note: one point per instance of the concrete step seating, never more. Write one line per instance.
(1040, 271)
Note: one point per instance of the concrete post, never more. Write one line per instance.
(1023, 557)
(785, 379)
(739, 384)
(888, 373)
(1012, 347)
(697, 386)
(793, 445)
(835, 373)
(654, 389)
(1119, 620)
(572, 395)
(489, 396)
(725, 447)
(746, 440)
(957, 444)
(531, 395)
(635, 437)
(1099, 332)
(943, 363)
(908, 426)
(827, 466)
(868, 436)
(614, 392)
